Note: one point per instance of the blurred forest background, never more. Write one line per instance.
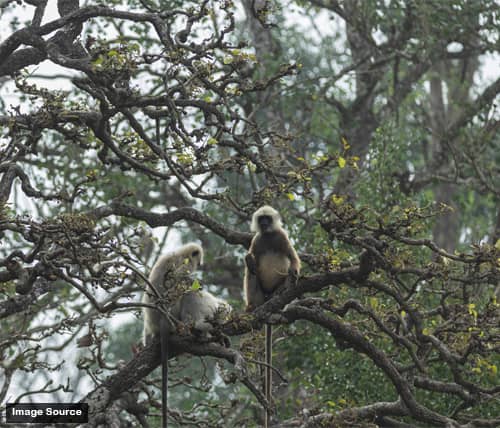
(128, 127)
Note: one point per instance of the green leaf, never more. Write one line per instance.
(337, 200)
(195, 286)
(497, 244)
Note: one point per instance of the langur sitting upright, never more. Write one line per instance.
(175, 265)
(271, 258)
(194, 307)
(270, 261)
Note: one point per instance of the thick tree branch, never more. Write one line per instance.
(349, 334)
(167, 219)
(149, 358)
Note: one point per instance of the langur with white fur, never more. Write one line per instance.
(194, 307)
(176, 264)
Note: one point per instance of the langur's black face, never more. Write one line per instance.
(195, 259)
(265, 223)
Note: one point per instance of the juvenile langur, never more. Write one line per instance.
(270, 262)
(194, 307)
(201, 309)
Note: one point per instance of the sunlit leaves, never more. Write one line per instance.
(120, 57)
(238, 56)
(337, 200)
(472, 311)
(195, 286)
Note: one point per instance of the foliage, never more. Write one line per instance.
(127, 127)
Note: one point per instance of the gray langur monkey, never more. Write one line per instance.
(176, 264)
(198, 308)
(271, 262)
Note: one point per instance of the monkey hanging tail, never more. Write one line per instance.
(268, 379)
(164, 369)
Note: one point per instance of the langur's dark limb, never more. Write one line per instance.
(251, 263)
(254, 295)
(293, 276)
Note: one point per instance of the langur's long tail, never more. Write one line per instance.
(164, 370)
(268, 378)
